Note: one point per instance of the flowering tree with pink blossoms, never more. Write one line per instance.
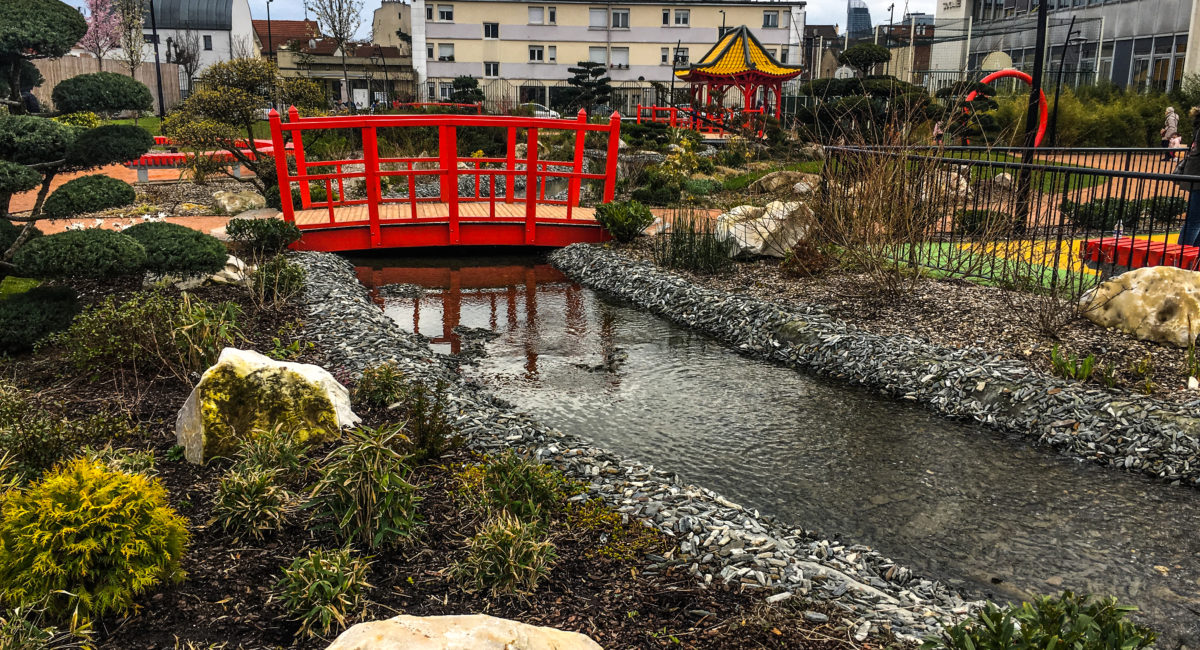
(104, 29)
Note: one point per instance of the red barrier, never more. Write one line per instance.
(716, 121)
(338, 222)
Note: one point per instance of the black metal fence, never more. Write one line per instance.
(1062, 220)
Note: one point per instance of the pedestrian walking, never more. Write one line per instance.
(1190, 166)
(939, 132)
(1170, 129)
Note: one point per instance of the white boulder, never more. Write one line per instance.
(238, 202)
(246, 392)
(781, 180)
(771, 231)
(476, 632)
(235, 272)
(1156, 303)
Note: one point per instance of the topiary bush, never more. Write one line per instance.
(1065, 621)
(262, 237)
(91, 253)
(29, 140)
(109, 144)
(363, 495)
(322, 588)
(86, 194)
(101, 92)
(1102, 214)
(9, 233)
(26, 318)
(172, 248)
(507, 555)
(16, 178)
(624, 220)
(88, 539)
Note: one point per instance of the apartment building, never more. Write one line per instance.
(521, 50)
(1138, 44)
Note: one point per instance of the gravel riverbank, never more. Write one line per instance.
(1116, 428)
(718, 541)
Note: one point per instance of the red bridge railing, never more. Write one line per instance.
(448, 166)
(714, 121)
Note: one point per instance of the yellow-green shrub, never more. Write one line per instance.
(507, 555)
(88, 539)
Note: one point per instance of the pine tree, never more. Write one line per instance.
(591, 86)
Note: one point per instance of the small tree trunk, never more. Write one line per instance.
(346, 80)
(14, 88)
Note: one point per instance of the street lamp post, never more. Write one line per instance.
(722, 22)
(270, 41)
(387, 92)
(157, 64)
(887, 70)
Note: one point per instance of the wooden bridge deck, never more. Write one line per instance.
(467, 211)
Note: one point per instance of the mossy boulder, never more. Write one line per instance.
(246, 394)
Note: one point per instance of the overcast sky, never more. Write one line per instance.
(820, 12)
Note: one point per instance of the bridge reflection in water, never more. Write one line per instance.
(522, 302)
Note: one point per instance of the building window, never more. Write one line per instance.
(666, 55)
(683, 17)
(491, 30)
(446, 13)
(620, 19)
(537, 54)
(207, 42)
(445, 51)
(666, 17)
(429, 16)
(770, 19)
(429, 51)
(681, 56)
(598, 55)
(537, 16)
(619, 57)
(552, 15)
(552, 53)
(597, 18)
(783, 55)
(491, 69)
(445, 91)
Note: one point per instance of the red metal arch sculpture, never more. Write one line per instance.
(1043, 104)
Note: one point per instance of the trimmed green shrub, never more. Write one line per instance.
(380, 386)
(262, 237)
(363, 494)
(624, 220)
(109, 537)
(1102, 214)
(9, 232)
(87, 194)
(91, 253)
(29, 140)
(277, 281)
(250, 501)
(152, 332)
(16, 178)
(101, 92)
(526, 488)
(109, 144)
(507, 555)
(658, 193)
(1065, 621)
(322, 588)
(26, 318)
(977, 223)
(172, 248)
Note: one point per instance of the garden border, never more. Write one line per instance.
(717, 540)
(1115, 428)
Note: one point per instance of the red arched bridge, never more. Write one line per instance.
(448, 199)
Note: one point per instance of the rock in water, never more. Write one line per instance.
(771, 231)
(1157, 303)
(238, 202)
(476, 632)
(246, 392)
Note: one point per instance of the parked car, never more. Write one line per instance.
(540, 111)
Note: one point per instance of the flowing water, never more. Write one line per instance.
(983, 511)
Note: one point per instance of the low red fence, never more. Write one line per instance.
(448, 166)
(713, 121)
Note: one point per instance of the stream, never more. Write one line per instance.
(983, 511)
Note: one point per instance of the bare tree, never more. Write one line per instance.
(184, 51)
(104, 30)
(340, 20)
(133, 40)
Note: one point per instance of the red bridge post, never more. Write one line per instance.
(448, 150)
(577, 169)
(370, 144)
(511, 166)
(298, 154)
(614, 147)
(531, 163)
(281, 168)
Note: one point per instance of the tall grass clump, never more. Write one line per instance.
(692, 245)
(323, 588)
(507, 556)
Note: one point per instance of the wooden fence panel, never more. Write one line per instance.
(56, 70)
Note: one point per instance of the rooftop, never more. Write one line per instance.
(283, 32)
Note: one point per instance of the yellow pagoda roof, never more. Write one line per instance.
(738, 51)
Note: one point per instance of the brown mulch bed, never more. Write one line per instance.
(226, 600)
(958, 313)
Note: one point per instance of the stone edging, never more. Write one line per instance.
(1118, 429)
(717, 540)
